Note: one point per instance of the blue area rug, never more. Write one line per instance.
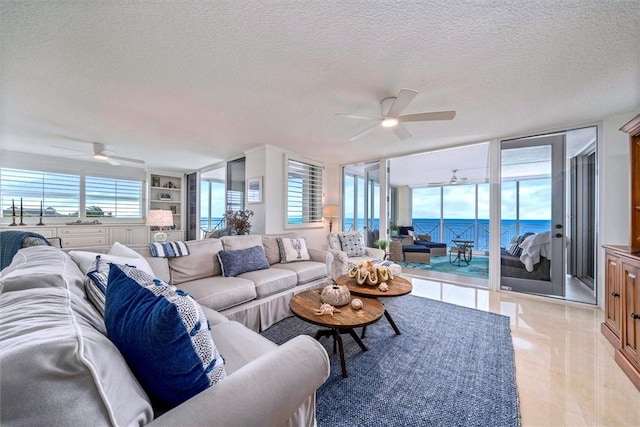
(452, 366)
(479, 266)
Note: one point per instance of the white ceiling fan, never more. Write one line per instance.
(390, 109)
(101, 153)
(453, 181)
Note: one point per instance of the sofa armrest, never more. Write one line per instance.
(375, 253)
(340, 263)
(264, 392)
(320, 255)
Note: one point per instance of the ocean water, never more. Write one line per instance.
(449, 229)
(467, 229)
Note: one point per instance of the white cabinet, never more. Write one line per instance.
(128, 235)
(76, 236)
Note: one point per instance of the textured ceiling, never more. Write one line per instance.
(188, 84)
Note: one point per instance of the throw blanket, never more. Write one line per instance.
(11, 243)
(169, 249)
(381, 262)
(534, 247)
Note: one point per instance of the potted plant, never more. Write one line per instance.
(382, 244)
(238, 221)
(394, 230)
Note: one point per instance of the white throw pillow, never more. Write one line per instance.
(293, 250)
(85, 259)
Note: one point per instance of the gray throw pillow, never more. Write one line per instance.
(241, 261)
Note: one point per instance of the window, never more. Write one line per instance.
(66, 195)
(235, 184)
(58, 194)
(115, 198)
(304, 192)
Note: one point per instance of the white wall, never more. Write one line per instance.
(269, 216)
(614, 184)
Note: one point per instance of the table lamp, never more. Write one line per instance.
(160, 218)
(330, 211)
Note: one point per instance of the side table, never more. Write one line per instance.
(395, 250)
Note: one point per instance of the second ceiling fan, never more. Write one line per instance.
(390, 109)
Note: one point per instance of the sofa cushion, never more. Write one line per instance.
(163, 334)
(352, 244)
(239, 344)
(235, 262)
(233, 243)
(306, 271)
(41, 267)
(58, 367)
(293, 250)
(271, 247)
(219, 293)
(271, 281)
(201, 262)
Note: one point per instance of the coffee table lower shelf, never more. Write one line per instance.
(304, 304)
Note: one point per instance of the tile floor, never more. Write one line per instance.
(565, 369)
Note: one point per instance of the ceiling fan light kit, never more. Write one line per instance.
(390, 109)
(389, 122)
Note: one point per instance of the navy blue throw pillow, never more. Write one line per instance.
(242, 261)
(163, 335)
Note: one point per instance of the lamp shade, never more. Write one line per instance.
(330, 211)
(159, 218)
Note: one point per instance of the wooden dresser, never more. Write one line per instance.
(622, 277)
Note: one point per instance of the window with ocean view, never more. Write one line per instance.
(59, 193)
(62, 195)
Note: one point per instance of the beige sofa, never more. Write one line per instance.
(60, 368)
(257, 299)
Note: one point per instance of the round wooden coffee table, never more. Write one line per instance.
(304, 304)
(397, 287)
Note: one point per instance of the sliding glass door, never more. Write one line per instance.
(372, 204)
(533, 215)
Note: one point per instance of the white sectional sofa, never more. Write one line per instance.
(257, 299)
(58, 366)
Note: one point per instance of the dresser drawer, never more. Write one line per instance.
(81, 241)
(77, 230)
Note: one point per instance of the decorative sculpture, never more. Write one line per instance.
(326, 309)
(371, 274)
(383, 287)
(336, 295)
(356, 304)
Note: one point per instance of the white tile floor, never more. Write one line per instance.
(565, 370)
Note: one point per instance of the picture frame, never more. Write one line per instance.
(254, 190)
(164, 196)
(155, 181)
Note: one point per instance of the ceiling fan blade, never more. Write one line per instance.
(126, 159)
(358, 116)
(112, 161)
(423, 117)
(401, 132)
(363, 133)
(71, 149)
(404, 98)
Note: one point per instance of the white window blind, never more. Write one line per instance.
(113, 198)
(59, 193)
(304, 192)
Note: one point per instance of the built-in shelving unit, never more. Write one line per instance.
(165, 192)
